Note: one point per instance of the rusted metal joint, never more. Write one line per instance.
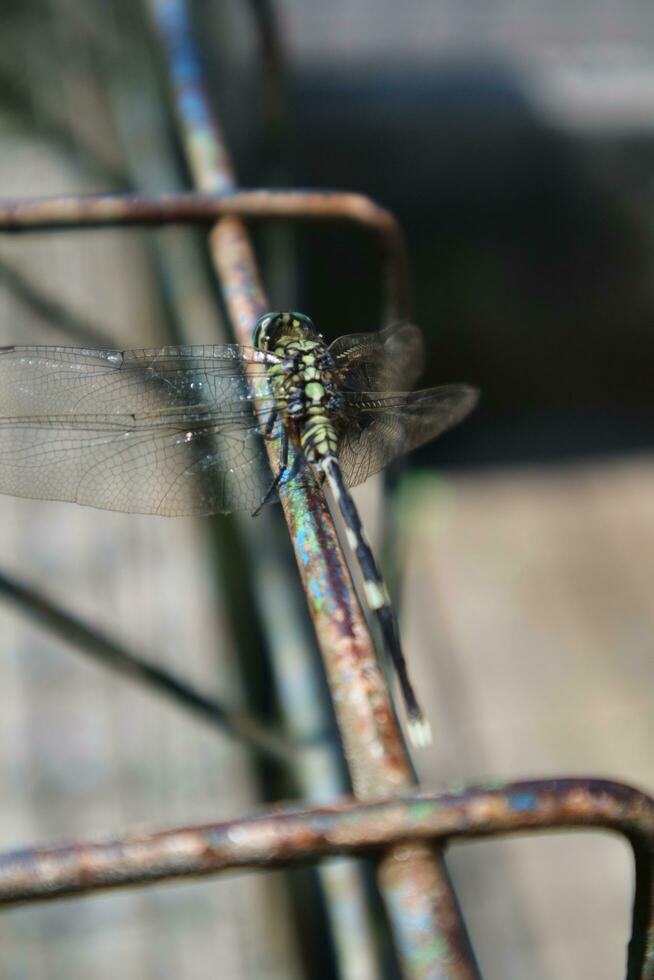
(103, 210)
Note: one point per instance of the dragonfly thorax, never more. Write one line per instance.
(302, 381)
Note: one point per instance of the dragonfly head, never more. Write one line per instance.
(271, 328)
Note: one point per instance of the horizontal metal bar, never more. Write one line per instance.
(95, 211)
(284, 838)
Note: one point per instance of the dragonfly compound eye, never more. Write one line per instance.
(261, 332)
(272, 327)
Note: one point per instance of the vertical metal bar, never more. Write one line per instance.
(319, 772)
(413, 879)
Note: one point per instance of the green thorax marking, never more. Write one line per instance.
(301, 394)
(305, 379)
(308, 348)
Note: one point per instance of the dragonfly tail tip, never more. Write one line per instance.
(419, 731)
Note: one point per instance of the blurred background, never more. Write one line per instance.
(515, 143)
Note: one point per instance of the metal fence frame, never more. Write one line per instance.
(403, 832)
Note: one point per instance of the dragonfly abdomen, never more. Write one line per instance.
(318, 437)
(376, 595)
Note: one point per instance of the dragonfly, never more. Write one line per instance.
(182, 430)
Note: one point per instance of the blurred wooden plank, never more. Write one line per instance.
(529, 622)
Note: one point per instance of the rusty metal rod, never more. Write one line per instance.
(280, 839)
(209, 163)
(377, 759)
(369, 726)
(95, 211)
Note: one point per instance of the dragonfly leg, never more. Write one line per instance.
(283, 466)
(270, 424)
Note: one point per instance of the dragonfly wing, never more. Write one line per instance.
(382, 426)
(388, 360)
(171, 431)
(152, 468)
(47, 381)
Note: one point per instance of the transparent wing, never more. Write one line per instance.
(48, 381)
(156, 469)
(389, 360)
(170, 431)
(379, 427)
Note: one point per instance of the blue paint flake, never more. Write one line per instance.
(523, 801)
